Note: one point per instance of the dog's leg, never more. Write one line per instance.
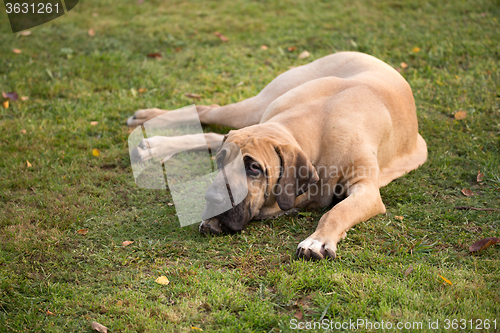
(363, 202)
(162, 147)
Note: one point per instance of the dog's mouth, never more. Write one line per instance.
(211, 226)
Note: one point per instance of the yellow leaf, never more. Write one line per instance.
(28, 164)
(96, 152)
(83, 231)
(459, 115)
(303, 55)
(445, 279)
(94, 123)
(404, 65)
(49, 313)
(416, 49)
(16, 51)
(162, 280)
(141, 90)
(196, 328)
(6, 104)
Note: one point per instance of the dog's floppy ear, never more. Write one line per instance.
(296, 176)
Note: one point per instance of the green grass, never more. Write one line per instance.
(248, 282)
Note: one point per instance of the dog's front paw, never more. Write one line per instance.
(210, 226)
(141, 116)
(316, 248)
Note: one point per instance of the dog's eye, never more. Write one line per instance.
(254, 168)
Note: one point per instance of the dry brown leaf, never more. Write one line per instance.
(25, 33)
(445, 279)
(263, 47)
(416, 49)
(94, 123)
(6, 104)
(82, 232)
(467, 192)
(170, 204)
(127, 243)
(16, 51)
(459, 115)
(28, 164)
(190, 95)
(162, 280)
(480, 176)
(95, 14)
(119, 303)
(303, 55)
(141, 90)
(399, 217)
(221, 36)
(404, 65)
(98, 327)
(49, 313)
(299, 315)
(154, 55)
(408, 271)
(291, 48)
(96, 152)
(91, 32)
(483, 244)
(13, 96)
(24, 98)
(23, 131)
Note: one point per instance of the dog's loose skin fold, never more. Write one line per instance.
(342, 126)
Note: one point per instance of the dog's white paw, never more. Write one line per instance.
(141, 116)
(316, 248)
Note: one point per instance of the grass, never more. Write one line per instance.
(53, 279)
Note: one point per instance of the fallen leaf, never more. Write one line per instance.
(408, 271)
(127, 243)
(445, 279)
(119, 303)
(16, 51)
(459, 115)
(98, 327)
(6, 104)
(467, 192)
(196, 328)
(95, 14)
(28, 164)
(480, 176)
(483, 244)
(23, 131)
(195, 96)
(96, 152)
(399, 217)
(24, 98)
(404, 65)
(49, 313)
(299, 315)
(25, 33)
(10, 95)
(416, 49)
(91, 32)
(178, 49)
(82, 232)
(263, 47)
(154, 55)
(303, 55)
(240, 83)
(162, 280)
(221, 36)
(292, 48)
(94, 123)
(170, 204)
(141, 90)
